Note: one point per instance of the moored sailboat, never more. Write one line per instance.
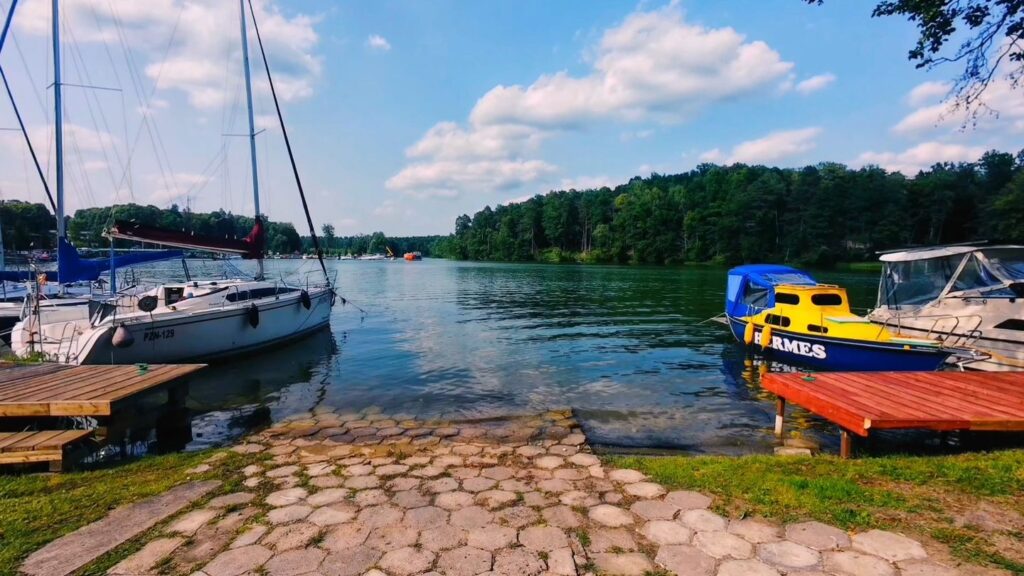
(194, 319)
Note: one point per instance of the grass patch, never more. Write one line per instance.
(39, 508)
(917, 495)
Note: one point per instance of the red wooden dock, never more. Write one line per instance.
(859, 402)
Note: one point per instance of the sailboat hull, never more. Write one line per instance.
(213, 335)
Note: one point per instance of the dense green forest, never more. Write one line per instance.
(32, 226)
(376, 243)
(817, 215)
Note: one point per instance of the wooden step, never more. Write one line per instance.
(40, 446)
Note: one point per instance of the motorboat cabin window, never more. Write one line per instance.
(826, 299)
(912, 283)
(975, 276)
(817, 329)
(1011, 324)
(1006, 262)
(776, 320)
(786, 298)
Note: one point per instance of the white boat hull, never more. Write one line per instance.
(190, 335)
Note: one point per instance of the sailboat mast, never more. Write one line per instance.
(58, 121)
(252, 123)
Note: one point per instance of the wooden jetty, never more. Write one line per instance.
(859, 402)
(44, 391)
(62, 390)
(42, 446)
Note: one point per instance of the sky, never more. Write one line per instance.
(405, 114)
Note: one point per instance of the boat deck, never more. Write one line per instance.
(61, 390)
(859, 402)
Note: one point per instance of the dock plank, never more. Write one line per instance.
(58, 390)
(860, 401)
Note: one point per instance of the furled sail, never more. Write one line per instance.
(250, 247)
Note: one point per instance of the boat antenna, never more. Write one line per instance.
(252, 126)
(288, 145)
(17, 113)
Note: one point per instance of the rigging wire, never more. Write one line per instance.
(28, 141)
(288, 145)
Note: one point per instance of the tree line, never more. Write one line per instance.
(29, 226)
(376, 243)
(816, 215)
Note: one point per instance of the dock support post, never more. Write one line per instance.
(845, 444)
(780, 415)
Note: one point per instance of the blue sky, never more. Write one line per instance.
(406, 114)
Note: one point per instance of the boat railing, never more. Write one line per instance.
(951, 336)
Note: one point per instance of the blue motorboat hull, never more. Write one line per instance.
(824, 353)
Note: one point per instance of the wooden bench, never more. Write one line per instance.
(43, 446)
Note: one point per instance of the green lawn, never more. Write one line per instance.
(38, 508)
(916, 495)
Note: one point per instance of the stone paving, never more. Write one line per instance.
(372, 494)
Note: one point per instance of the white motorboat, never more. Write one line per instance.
(965, 295)
(178, 321)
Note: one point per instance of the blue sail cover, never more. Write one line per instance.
(72, 268)
(750, 287)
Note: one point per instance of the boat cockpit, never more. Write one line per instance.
(915, 278)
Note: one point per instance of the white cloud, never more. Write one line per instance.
(653, 65)
(378, 42)
(586, 182)
(714, 155)
(815, 83)
(205, 36)
(1004, 113)
(179, 189)
(386, 208)
(927, 92)
(446, 178)
(768, 149)
(921, 157)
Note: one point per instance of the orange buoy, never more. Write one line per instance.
(748, 334)
(766, 337)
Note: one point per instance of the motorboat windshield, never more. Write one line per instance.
(914, 279)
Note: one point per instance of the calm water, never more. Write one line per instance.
(628, 348)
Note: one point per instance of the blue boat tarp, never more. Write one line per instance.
(74, 269)
(750, 288)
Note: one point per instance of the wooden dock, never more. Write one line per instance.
(62, 390)
(42, 446)
(859, 402)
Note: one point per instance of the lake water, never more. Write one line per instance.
(628, 348)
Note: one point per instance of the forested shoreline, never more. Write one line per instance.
(817, 215)
(31, 226)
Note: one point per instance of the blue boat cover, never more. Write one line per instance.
(72, 268)
(750, 288)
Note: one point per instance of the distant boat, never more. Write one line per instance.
(791, 317)
(373, 257)
(411, 256)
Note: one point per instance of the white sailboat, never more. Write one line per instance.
(964, 295)
(185, 320)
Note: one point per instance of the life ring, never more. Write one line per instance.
(254, 315)
(748, 334)
(766, 337)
